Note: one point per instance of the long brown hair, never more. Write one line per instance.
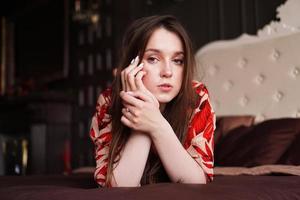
(177, 112)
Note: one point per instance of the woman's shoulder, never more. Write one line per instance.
(200, 88)
(105, 96)
(106, 92)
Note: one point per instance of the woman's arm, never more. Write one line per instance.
(130, 168)
(179, 165)
(198, 145)
(133, 157)
(100, 135)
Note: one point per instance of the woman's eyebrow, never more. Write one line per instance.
(155, 50)
(179, 53)
(158, 51)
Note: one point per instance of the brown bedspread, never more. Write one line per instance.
(82, 187)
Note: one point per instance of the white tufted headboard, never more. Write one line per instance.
(257, 75)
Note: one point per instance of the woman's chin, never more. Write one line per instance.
(164, 99)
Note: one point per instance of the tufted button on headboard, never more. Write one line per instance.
(256, 75)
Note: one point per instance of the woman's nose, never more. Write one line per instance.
(166, 70)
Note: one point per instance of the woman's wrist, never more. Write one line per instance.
(141, 134)
(163, 128)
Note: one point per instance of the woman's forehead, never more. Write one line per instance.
(166, 41)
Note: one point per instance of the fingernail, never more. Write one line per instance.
(136, 58)
(141, 65)
(130, 93)
(132, 61)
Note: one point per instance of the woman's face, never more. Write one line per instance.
(164, 64)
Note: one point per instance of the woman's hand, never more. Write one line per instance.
(129, 73)
(141, 108)
(141, 112)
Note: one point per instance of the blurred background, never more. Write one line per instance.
(57, 55)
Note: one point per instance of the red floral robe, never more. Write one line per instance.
(198, 143)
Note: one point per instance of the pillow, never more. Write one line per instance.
(292, 155)
(261, 144)
(225, 124)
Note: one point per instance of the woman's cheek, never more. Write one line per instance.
(146, 79)
(145, 76)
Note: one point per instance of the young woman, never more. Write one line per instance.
(155, 124)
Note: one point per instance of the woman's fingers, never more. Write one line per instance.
(139, 82)
(128, 117)
(126, 121)
(127, 112)
(139, 109)
(130, 99)
(126, 86)
(123, 76)
(136, 98)
(131, 76)
(140, 86)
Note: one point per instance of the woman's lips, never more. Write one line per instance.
(165, 87)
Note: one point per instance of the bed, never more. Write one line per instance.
(82, 187)
(253, 83)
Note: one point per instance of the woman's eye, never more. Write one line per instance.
(178, 61)
(152, 60)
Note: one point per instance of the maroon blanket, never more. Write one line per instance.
(82, 187)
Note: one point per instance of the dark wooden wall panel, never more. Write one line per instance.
(266, 9)
(248, 16)
(206, 20)
(230, 18)
(214, 25)
(39, 41)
